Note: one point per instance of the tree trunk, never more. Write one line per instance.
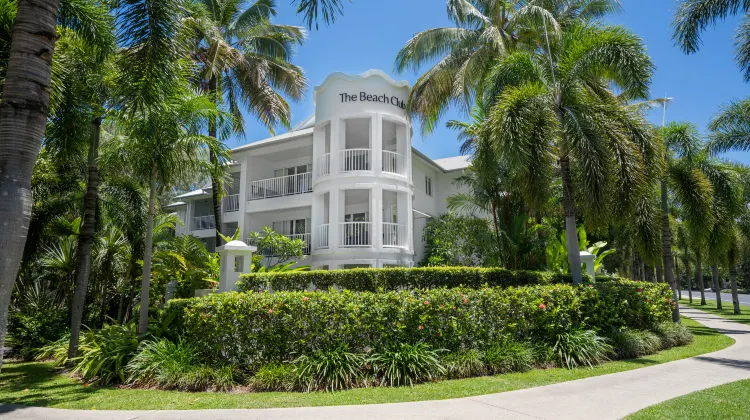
(689, 277)
(659, 276)
(497, 229)
(86, 238)
(699, 267)
(717, 289)
(23, 118)
(146, 281)
(571, 234)
(677, 277)
(643, 271)
(666, 254)
(215, 186)
(733, 281)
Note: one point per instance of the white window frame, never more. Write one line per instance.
(428, 185)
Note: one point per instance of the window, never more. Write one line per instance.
(292, 227)
(428, 185)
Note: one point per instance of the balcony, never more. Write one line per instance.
(231, 203)
(323, 165)
(355, 160)
(203, 222)
(394, 235)
(280, 186)
(394, 163)
(321, 241)
(354, 234)
(272, 252)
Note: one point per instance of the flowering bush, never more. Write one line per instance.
(256, 328)
(375, 279)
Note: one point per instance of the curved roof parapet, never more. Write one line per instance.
(362, 76)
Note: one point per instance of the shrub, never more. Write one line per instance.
(56, 350)
(103, 354)
(508, 356)
(275, 377)
(464, 364)
(375, 279)
(252, 329)
(406, 364)
(31, 328)
(628, 343)
(672, 334)
(331, 370)
(582, 347)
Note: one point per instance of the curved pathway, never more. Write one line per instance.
(603, 397)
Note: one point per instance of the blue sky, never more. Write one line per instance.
(371, 32)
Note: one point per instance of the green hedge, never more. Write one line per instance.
(374, 279)
(253, 328)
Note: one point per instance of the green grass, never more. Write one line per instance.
(721, 402)
(41, 384)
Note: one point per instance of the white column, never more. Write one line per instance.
(244, 166)
(406, 216)
(335, 211)
(376, 216)
(337, 143)
(319, 138)
(376, 143)
(315, 218)
(403, 146)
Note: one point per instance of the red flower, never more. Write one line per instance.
(542, 306)
(427, 302)
(420, 327)
(640, 289)
(466, 301)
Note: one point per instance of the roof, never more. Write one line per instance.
(454, 163)
(175, 204)
(199, 191)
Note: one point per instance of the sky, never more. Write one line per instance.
(371, 32)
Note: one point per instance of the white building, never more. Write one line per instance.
(347, 180)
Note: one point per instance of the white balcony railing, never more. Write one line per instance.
(231, 203)
(355, 233)
(323, 165)
(280, 186)
(355, 160)
(272, 251)
(321, 240)
(394, 163)
(394, 235)
(203, 222)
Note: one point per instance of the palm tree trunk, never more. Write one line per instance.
(215, 187)
(677, 277)
(666, 253)
(689, 277)
(717, 289)
(571, 234)
(23, 118)
(146, 280)
(497, 229)
(699, 267)
(659, 276)
(86, 238)
(733, 281)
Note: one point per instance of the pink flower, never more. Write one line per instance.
(542, 306)
(427, 302)
(270, 311)
(466, 301)
(304, 299)
(420, 327)
(640, 289)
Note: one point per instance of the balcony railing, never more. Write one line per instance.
(321, 240)
(273, 251)
(355, 233)
(355, 160)
(394, 235)
(323, 165)
(203, 222)
(280, 186)
(231, 203)
(394, 163)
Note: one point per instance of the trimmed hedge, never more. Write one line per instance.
(375, 279)
(254, 328)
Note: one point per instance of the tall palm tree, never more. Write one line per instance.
(557, 107)
(243, 62)
(694, 16)
(484, 31)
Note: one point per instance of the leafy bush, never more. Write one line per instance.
(56, 350)
(581, 348)
(508, 356)
(103, 354)
(275, 377)
(375, 279)
(672, 334)
(251, 329)
(330, 369)
(31, 328)
(406, 364)
(464, 364)
(628, 343)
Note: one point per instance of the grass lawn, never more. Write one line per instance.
(40, 384)
(721, 402)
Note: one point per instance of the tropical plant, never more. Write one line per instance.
(406, 364)
(673, 334)
(508, 356)
(464, 364)
(103, 354)
(558, 106)
(276, 377)
(628, 343)
(276, 249)
(557, 250)
(581, 348)
(332, 370)
(458, 240)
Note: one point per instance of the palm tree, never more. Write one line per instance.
(484, 31)
(694, 16)
(244, 63)
(559, 104)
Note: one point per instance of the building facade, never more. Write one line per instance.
(346, 181)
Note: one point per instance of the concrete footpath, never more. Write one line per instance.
(603, 397)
